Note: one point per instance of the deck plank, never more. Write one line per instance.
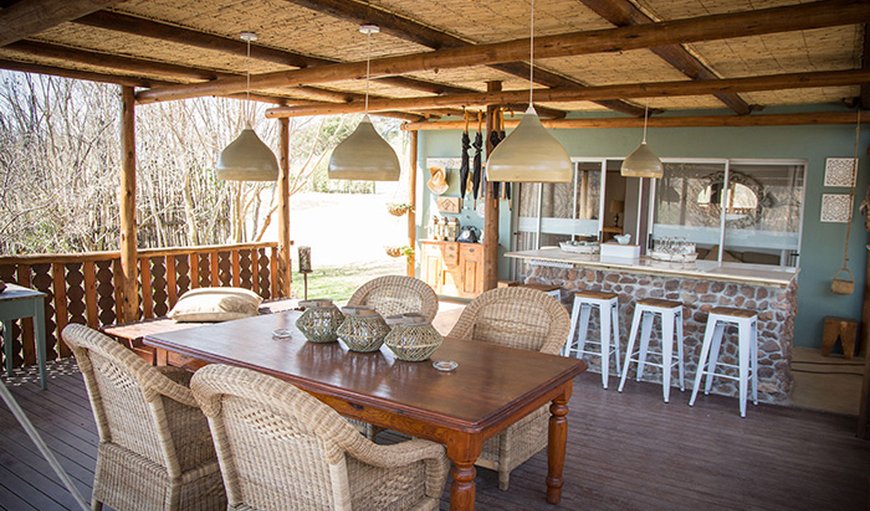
(626, 451)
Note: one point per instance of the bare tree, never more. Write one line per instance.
(60, 155)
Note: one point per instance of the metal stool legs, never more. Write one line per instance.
(747, 354)
(608, 310)
(671, 314)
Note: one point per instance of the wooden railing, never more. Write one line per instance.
(84, 288)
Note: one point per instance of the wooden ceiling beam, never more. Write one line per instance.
(623, 13)
(126, 63)
(424, 35)
(157, 30)
(629, 90)
(132, 65)
(702, 121)
(28, 17)
(128, 80)
(825, 13)
(137, 66)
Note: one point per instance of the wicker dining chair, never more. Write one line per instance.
(521, 318)
(281, 448)
(155, 451)
(397, 294)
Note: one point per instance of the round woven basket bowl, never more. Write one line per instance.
(412, 338)
(363, 329)
(320, 321)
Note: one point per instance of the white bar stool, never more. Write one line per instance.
(552, 290)
(746, 322)
(671, 314)
(608, 309)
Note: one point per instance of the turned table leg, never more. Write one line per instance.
(557, 440)
(463, 451)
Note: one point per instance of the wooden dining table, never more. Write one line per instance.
(492, 387)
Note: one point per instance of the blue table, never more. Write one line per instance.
(18, 302)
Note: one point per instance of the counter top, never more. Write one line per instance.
(712, 270)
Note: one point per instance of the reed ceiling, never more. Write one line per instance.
(300, 30)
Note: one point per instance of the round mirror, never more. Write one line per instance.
(742, 202)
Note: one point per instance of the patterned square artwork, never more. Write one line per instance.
(836, 207)
(839, 172)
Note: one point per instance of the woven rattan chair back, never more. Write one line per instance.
(126, 397)
(397, 294)
(515, 317)
(277, 445)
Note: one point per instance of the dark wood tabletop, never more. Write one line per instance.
(491, 381)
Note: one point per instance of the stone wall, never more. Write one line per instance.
(776, 308)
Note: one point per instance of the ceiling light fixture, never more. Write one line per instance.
(364, 154)
(247, 158)
(643, 162)
(530, 153)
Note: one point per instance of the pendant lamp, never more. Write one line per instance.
(364, 154)
(530, 153)
(247, 158)
(642, 162)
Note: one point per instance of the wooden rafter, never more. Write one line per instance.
(623, 13)
(720, 26)
(711, 121)
(414, 31)
(138, 81)
(170, 74)
(126, 79)
(157, 30)
(629, 90)
(27, 17)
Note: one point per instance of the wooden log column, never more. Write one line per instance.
(129, 309)
(490, 217)
(412, 200)
(285, 269)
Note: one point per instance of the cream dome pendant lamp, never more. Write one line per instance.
(530, 153)
(643, 162)
(247, 158)
(365, 155)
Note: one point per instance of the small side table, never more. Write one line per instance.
(19, 302)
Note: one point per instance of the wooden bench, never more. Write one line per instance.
(131, 334)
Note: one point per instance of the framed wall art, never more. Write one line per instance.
(836, 208)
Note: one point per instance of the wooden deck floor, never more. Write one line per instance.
(625, 451)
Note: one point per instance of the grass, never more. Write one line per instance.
(339, 282)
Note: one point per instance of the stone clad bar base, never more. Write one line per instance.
(776, 307)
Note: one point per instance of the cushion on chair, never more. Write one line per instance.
(216, 304)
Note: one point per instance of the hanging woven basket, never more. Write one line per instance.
(398, 209)
(843, 282)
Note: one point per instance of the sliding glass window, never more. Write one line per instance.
(552, 212)
(746, 211)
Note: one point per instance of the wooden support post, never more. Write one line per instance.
(412, 200)
(284, 262)
(490, 218)
(864, 410)
(127, 203)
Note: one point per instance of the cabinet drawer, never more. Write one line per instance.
(450, 253)
(471, 251)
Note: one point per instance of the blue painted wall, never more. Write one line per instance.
(822, 244)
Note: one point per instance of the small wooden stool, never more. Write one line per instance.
(844, 329)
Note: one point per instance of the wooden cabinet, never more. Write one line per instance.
(451, 268)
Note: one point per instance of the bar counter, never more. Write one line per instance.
(701, 285)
